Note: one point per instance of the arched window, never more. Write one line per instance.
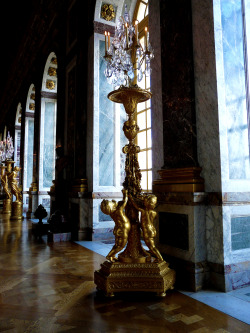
(17, 144)
(28, 143)
(144, 109)
(48, 129)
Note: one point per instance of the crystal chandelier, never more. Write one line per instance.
(6, 149)
(125, 55)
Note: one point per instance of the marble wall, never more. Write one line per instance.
(107, 136)
(208, 144)
(231, 87)
(222, 134)
(235, 89)
(105, 168)
(156, 88)
(196, 251)
(179, 124)
(106, 126)
(47, 144)
(30, 145)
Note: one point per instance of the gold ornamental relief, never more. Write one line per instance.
(32, 106)
(107, 12)
(50, 84)
(32, 96)
(52, 71)
(54, 61)
(130, 129)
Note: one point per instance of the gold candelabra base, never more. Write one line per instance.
(7, 206)
(119, 277)
(17, 210)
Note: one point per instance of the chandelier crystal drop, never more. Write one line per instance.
(125, 55)
(6, 149)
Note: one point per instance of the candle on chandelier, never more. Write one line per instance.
(105, 42)
(136, 31)
(126, 29)
(108, 40)
(146, 36)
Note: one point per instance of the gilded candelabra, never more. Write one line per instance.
(9, 180)
(17, 206)
(135, 269)
(5, 185)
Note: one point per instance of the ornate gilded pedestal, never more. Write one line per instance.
(7, 206)
(17, 206)
(5, 184)
(135, 269)
(148, 277)
(33, 200)
(17, 210)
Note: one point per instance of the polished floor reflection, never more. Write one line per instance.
(48, 287)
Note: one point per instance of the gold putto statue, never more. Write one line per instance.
(122, 223)
(5, 184)
(12, 177)
(148, 216)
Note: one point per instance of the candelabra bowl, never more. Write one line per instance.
(129, 97)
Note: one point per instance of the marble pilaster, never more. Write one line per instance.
(207, 122)
(156, 88)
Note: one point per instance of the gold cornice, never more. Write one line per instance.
(179, 180)
(79, 185)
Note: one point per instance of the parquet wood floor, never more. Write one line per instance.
(49, 288)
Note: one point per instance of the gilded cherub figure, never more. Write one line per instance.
(12, 177)
(147, 223)
(4, 180)
(122, 223)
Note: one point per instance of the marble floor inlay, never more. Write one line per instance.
(48, 287)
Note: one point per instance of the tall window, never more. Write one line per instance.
(29, 139)
(144, 109)
(18, 135)
(48, 129)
